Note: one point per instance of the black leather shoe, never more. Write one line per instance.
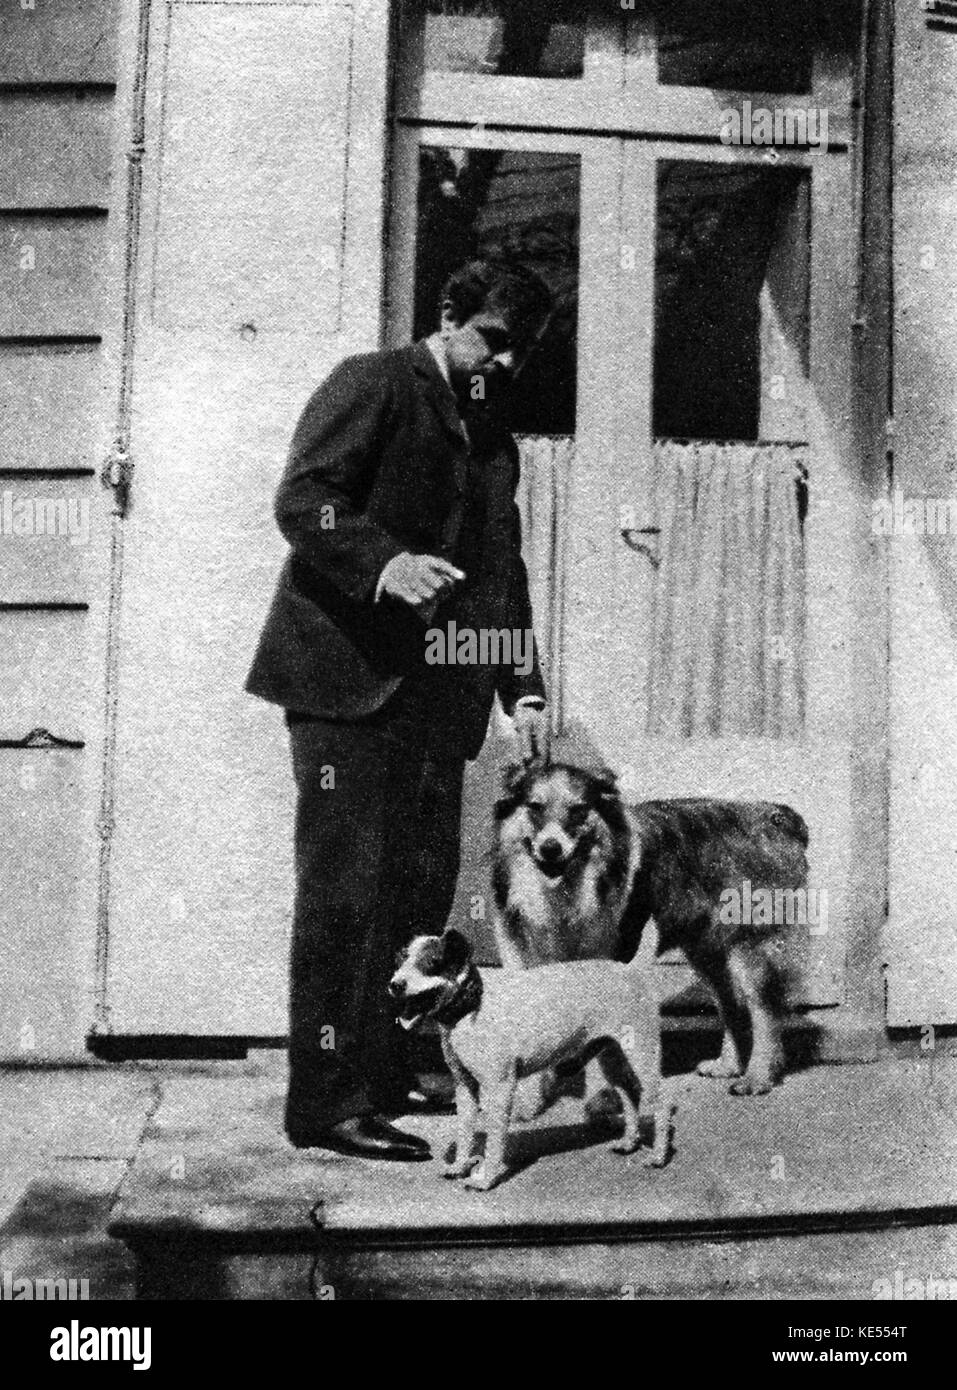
(366, 1136)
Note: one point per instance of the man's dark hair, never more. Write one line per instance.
(512, 290)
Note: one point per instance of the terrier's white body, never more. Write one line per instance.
(512, 1024)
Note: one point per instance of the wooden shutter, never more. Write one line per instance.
(259, 269)
(58, 68)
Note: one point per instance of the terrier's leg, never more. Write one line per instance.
(466, 1114)
(602, 1102)
(618, 1073)
(656, 1101)
(497, 1098)
(664, 1113)
(534, 1096)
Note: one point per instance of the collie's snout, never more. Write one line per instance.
(552, 850)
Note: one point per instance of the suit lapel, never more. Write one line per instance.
(495, 475)
(439, 395)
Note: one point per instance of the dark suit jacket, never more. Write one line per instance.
(379, 464)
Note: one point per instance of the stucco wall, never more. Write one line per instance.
(921, 943)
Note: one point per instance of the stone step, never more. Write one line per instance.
(855, 1265)
(841, 1177)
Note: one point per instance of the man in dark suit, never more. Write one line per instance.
(398, 503)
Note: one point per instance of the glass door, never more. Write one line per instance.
(708, 629)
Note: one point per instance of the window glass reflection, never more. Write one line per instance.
(745, 45)
(534, 38)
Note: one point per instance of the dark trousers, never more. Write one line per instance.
(377, 857)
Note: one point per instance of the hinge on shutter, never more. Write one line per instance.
(117, 474)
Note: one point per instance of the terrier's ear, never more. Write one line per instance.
(456, 951)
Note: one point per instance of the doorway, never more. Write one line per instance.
(689, 487)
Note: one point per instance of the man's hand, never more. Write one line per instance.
(418, 580)
(531, 731)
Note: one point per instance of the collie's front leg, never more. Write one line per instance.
(510, 952)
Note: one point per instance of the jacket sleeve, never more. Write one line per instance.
(335, 453)
(513, 684)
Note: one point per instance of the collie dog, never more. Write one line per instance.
(578, 874)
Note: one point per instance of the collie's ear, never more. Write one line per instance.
(513, 783)
(606, 782)
(456, 951)
(513, 775)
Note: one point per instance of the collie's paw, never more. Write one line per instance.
(720, 1067)
(655, 1159)
(751, 1085)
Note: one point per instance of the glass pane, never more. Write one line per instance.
(514, 205)
(533, 38)
(732, 463)
(732, 277)
(745, 45)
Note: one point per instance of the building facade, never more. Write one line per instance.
(745, 390)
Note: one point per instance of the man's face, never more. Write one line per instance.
(484, 348)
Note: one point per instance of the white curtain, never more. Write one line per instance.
(546, 462)
(728, 640)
